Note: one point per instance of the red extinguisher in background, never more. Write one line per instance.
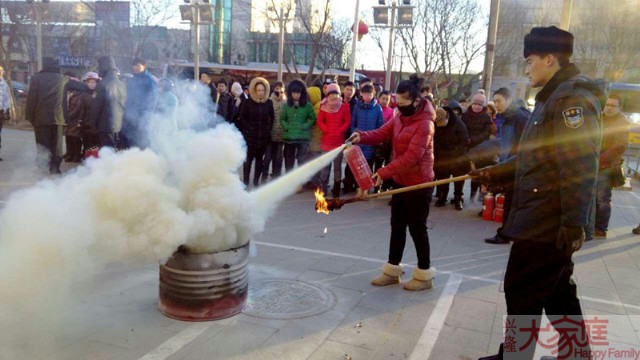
(359, 166)
(488, 205)
(499, 212)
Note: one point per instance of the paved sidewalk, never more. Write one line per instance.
(460, 318)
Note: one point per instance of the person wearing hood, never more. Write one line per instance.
(274, 154)
(367, 116)
(411, 135)
(297, 119)
(142, 95)
(236, 101)
(554, 173)
(78, 110)
(480, 127)
(89, 133)
(256, 121)
(108, 107)
(514, 120)
(315, 96)
(456, 108)
(334, 120)
(450, 146)
(47, 110)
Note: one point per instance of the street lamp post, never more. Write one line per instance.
(197, 12)
(401, 17)
(352, 67)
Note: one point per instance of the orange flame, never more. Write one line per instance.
(321, 203)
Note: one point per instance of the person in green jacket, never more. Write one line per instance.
(297, 119)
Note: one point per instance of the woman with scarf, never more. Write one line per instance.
(334, 119)
(411, 135)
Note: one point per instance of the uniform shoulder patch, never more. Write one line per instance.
(573, 117)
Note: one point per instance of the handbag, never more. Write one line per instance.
(617, 175)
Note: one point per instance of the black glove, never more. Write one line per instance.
(482, 175)
(570, 239)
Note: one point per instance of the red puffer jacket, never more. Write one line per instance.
(334, 126)
(412, 143)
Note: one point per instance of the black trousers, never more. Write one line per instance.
(254, 153)
(74, 147)
(410, 209)
(108, 139)
(89, 140)
(447, 168)
(49, 141)
(508, 197)
(538, 278)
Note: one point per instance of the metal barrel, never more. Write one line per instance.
(204, 286)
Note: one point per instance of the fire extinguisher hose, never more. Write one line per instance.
(416, 187)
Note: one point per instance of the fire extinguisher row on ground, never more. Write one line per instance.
(493, 207)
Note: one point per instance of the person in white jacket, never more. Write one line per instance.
(5, 103)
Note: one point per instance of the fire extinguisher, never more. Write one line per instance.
(359, 167)
(487, 207)
(499, 212)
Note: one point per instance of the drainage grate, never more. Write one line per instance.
(287, 299)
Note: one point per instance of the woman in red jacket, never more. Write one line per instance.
(333, 120)
(411, 135)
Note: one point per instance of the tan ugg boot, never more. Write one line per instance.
(421, 280)
(391, 274)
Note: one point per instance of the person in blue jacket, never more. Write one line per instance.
(366, 116)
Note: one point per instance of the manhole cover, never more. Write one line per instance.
(287, 299)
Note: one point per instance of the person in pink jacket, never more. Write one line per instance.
(333, 120)
(411, 135)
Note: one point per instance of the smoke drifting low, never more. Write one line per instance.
(135, 206)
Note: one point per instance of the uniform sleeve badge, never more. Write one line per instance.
(573, 117)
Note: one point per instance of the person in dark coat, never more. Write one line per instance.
(89, 133)
(554, 174)
(108, 108)
(78, 106)
(450, 146)
(615, 137)
(514, 120)
(256, 120)
(225, 102)
(142, 95)
(46, 110)
(479, 126)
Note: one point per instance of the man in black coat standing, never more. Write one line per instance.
(45, 110)
(554, 174)
(107, 110)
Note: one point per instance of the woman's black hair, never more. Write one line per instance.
(298, 87)
(410, 87)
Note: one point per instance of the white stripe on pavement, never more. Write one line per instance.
(436, 321)
(177, 342)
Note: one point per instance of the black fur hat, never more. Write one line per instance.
(548, 40)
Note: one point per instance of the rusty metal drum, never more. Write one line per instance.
(204, 286)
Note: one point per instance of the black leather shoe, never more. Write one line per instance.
(496, 240)
(459, 203)
(440, 203)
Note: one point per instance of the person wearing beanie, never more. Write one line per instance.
(255, 122)
(479, 126)
(78, 110)
(297, 119)
(5, 103)
(237, 99)
(334, 119)
(449, 149)
(107, 110)
(46, 110)
(89, 133)
(554, 174)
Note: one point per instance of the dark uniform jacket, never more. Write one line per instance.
(107, 109)
(450, 141)
(615, 136)
(479, 126)
(556, 166)
(515, 120)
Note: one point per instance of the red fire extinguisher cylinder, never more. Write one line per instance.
(359, 167)
(488, 205)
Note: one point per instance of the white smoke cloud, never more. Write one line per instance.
(135, 206)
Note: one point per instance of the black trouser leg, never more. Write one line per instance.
(508, 196)
(410, 210)
(49, 139)
(289, 156)
(259, 155)
(538, 277)
(251, 154)
(266, 164)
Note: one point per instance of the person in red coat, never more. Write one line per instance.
(411, 135)
(333, 120)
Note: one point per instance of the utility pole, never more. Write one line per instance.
(196, 52)
(354, 42)
(387, 78)
(487, 74)
(565, 18)
(282, 24)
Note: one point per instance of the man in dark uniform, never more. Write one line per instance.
(554, 174)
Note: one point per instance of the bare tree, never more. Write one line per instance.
(334, 50)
